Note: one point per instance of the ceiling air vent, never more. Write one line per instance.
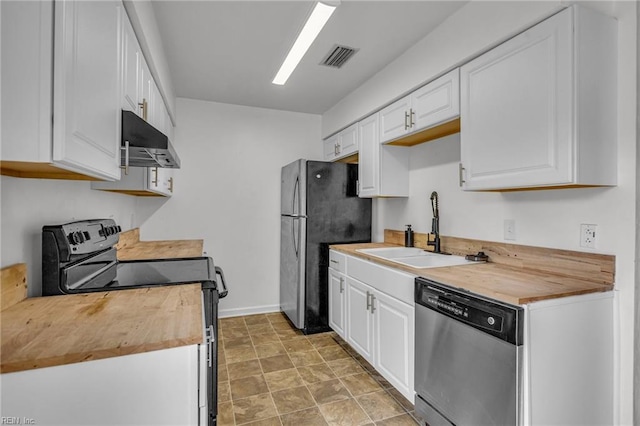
(338, 55)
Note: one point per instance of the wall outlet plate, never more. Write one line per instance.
(588, 235)
(509, 229)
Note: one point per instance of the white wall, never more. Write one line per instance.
(543, 218)
(28, 204)
(228, 192)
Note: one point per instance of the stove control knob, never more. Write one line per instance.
(76, 238)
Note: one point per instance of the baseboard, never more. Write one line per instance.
(237, 312)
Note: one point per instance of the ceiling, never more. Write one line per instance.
(229, 51)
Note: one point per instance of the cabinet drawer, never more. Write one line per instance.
(337, 261)
(390, 281)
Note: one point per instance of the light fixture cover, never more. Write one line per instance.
(318, 18)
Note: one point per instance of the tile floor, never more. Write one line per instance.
(272, 374)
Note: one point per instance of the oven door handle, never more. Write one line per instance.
(222, 294)
(76, 285)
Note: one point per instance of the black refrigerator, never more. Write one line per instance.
(319, 206)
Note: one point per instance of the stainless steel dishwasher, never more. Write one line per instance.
(468, 359)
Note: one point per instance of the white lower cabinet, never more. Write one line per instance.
(359, 318)
(151, 388)
(337, 302)
(378, 317)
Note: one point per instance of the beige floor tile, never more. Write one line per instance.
(300, 359)
(297, 345)
(256, 319)
(241, 353)
(265, 338)
(254, 408)
(225, 414)
(276, 363)
(402, 420)
(328, 391)
(237, 342)
(232, 322)
(257, 329)
(294, 399)
(224, 392)
(344, 413)
(381, 380)
(271, 421)
(346, 367)
(360, 384)
(286, 334)
(222, 359)
(283, 379)
(270, 349)
(404, 402)
(241, 369)
(248, 386)
(233, 333)
(309, 417)
(331, 353)
(322, 341)
(380, 405)
(316, 373)
(223, 374)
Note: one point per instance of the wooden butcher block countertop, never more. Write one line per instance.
(514, 274)
(48, 331)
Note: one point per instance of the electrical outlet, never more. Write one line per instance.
(588, 235)
(509, 229)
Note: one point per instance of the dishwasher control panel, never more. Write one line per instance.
(491, 316)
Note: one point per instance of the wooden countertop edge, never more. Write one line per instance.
(73, 358)
(432, 273)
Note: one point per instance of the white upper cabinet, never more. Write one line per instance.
(383, 170)
(540, 109)
(86, 87)
(342, 144)
(435, 103)
(84, 42)
(131, 62)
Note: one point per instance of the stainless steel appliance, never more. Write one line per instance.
(468, 357)
(145, 146)
(80, 257)
(319, 206)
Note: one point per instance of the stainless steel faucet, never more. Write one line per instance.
(435, 224)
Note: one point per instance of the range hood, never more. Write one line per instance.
(145, 146)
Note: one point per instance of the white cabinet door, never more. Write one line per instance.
(146, 91)
(368, 157)
(395, 120)
(348, 141)
(337, 296)
(131, 63)
(383, 170)
(437, 102)
(539, 109)
(394, 342)
(331, 148)
(87, 87)
(359, 318)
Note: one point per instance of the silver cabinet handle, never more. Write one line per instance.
(155, 173)
(412, 116)
(373, 306)
(406, 120)
(460, 174)
(341, 285)
(368, 300)
(125, 148)
(171, 184)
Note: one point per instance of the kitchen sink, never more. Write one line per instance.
(416, 257)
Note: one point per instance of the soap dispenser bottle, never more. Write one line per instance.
(408, 237)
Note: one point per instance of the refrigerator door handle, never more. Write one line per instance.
(296, 190)
(295, 225)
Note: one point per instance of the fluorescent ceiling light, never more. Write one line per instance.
(320, 15)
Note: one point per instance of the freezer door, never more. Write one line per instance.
(292, 261)
(293, 193)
